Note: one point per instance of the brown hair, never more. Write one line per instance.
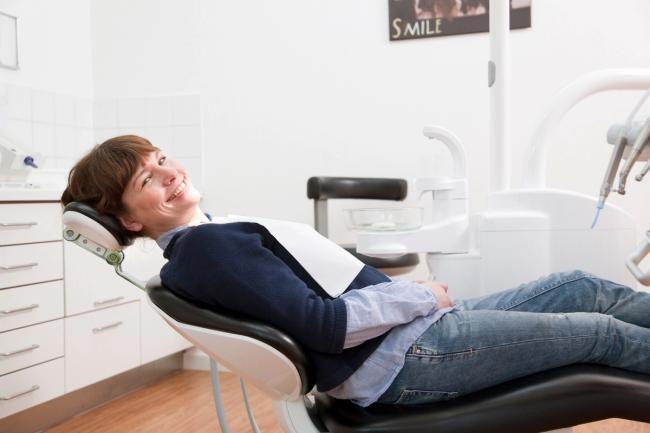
(100, 178)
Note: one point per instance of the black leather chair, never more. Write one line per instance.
(545, 401)
(276, 364)
(321, 189)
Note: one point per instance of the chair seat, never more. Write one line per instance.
(402, 261)
(545, 401)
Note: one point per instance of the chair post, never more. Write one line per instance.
(321, 217)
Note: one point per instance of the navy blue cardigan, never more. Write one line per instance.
(243, 268)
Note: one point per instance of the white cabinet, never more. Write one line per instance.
(22, 223)
(30, 346)
(101, 344)
(91, 283)
(31, 386)
(31, 263)
(27, 305)
(157, 338)
(67, 320)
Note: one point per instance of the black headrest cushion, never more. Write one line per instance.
(109, 222)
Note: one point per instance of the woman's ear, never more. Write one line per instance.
(130, 224)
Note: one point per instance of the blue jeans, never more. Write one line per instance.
(565, 318)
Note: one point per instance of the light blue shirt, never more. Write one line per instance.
(405, 309)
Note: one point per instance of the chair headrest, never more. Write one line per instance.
(103, 229)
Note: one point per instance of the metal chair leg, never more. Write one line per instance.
(216, 393)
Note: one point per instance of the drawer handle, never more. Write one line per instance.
(26, 349)
(16, 310)
(26, 265)
(18, 394)
(29, 224)
(105, 327)
(107, 301)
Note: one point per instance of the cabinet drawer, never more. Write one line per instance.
(23, 223)
(90, 283)
(157, 338)
(101, 344)
(27, 305)
(31, 386)
(32, 263)
(31, 345)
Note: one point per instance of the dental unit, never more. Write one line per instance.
(527, 232)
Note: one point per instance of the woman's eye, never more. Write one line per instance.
(162, 160)
(146, 180)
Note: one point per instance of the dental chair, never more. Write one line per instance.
(276, 364)
(321, 189)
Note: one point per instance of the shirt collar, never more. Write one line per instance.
(164, 239)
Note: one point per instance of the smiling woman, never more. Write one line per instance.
(130, 178)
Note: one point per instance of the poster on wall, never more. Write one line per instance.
(415, 19)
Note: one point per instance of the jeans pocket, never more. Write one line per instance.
(419, 396)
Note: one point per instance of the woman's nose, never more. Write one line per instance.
(168, 175)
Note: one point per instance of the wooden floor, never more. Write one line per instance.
(182, 402)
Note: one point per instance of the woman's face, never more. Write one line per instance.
(159, 196)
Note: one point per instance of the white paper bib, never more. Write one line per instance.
(331, 266)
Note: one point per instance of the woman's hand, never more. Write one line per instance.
(440, 292)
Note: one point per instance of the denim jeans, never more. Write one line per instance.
(565, 318)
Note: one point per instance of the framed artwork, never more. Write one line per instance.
(415, 19)
(8, 41)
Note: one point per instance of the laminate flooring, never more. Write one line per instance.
(182, 403)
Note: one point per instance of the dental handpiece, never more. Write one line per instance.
(640, 142)
(646, 168)
(612, 168)
(610, 174)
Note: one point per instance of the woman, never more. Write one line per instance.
(398, 342)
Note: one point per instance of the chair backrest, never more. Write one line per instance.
(264, 356)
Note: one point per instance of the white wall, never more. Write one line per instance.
(298, 88)
(145, 47)
(54, 46)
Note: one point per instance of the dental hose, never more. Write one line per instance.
(599, 207)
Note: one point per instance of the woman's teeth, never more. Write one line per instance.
(179, 190)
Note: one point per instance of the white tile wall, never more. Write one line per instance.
(21, 131)
(63, 127)
(131, 112)
(42, 107)
(186, 110)
(64, 110)
(85, 140)
(105, 113)
(20, 103)
(84, 113)
(65, 141)
(43, 141)
(159, 112)
(185, 141)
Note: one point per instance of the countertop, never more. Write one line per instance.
(30, 193)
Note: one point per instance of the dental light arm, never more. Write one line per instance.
(100, 234)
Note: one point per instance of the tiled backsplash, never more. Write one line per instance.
(63, 127)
